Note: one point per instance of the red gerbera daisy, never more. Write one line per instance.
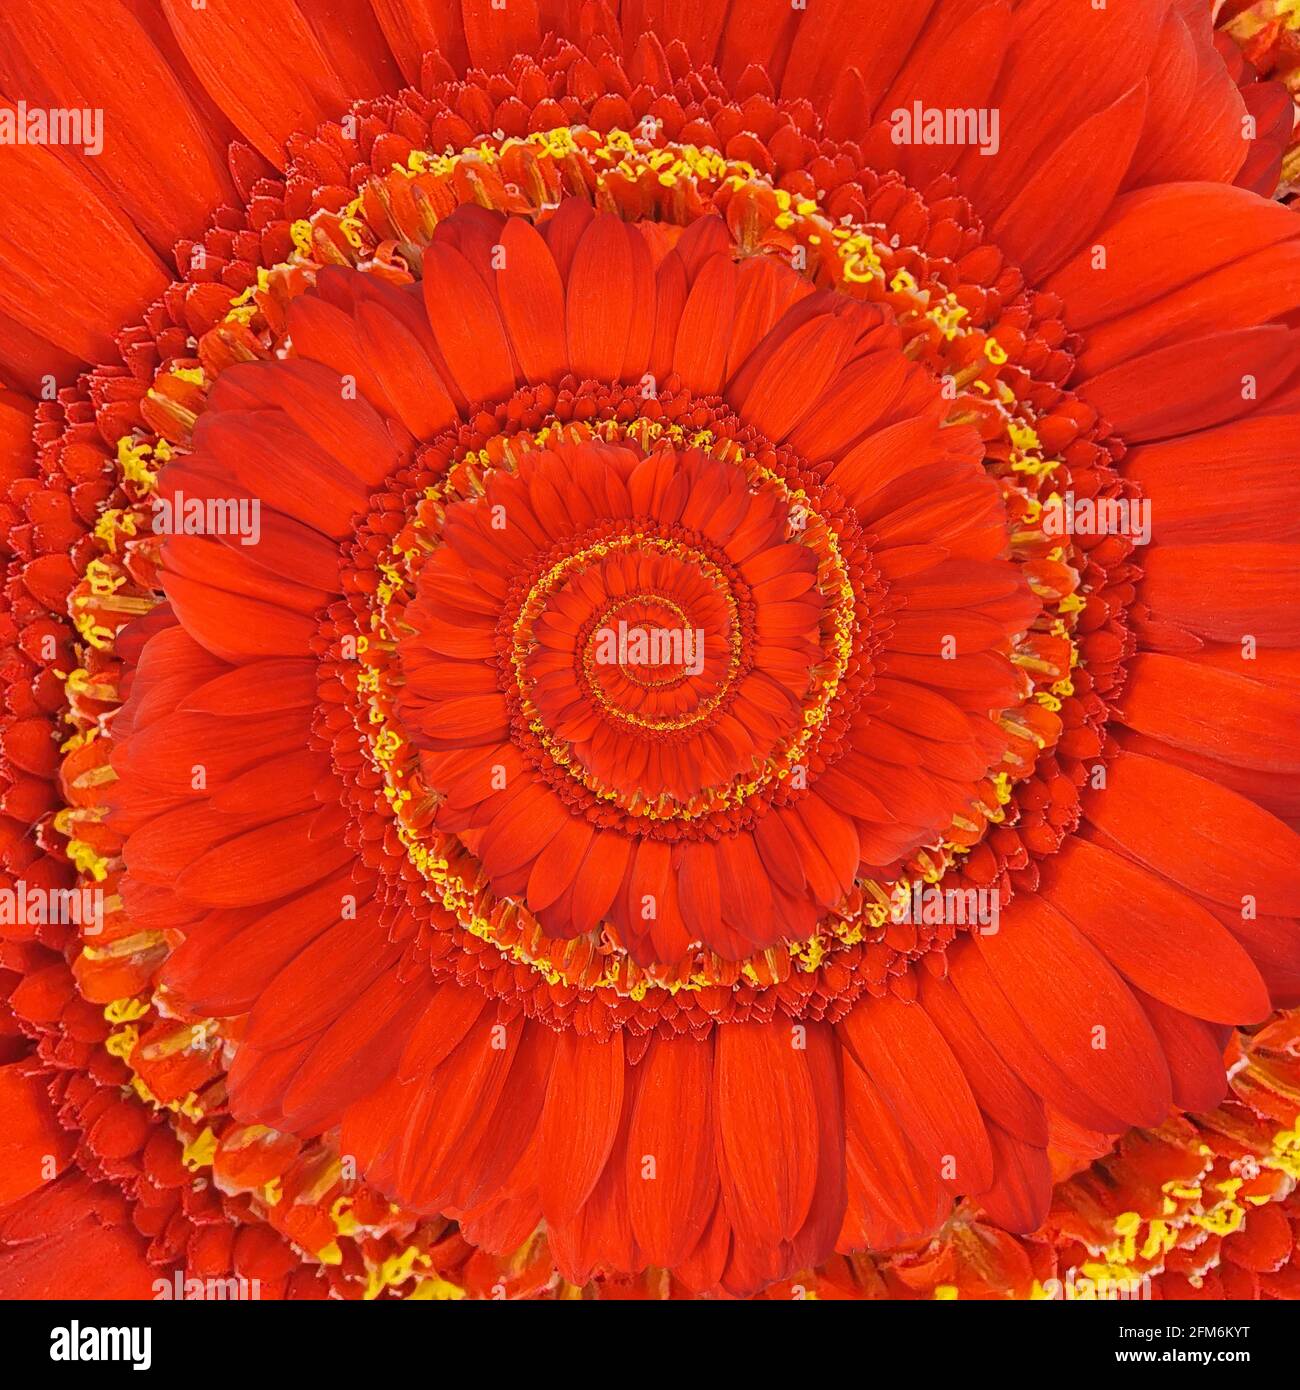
(680, 633)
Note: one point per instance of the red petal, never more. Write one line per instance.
(466, 326)
(673, 1125)
(1199, 835)
(1227, 591)
(610, 298)
(1079, 1010)
(584, 1107)
(1196, 1064)
(766, 1130)
(1168, 391)
(32, 1136)
(704, 332)
(1022, 1195)
(908, 1060)
(1180, 954)
(162, 163)
(893, 1196)
(1066, 196)
(263, 66)
(532, 302)
(494, 35)
(1001, 1094)
(103, 275)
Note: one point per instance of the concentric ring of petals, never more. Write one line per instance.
(432, 891)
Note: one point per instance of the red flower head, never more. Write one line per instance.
(675, 649)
